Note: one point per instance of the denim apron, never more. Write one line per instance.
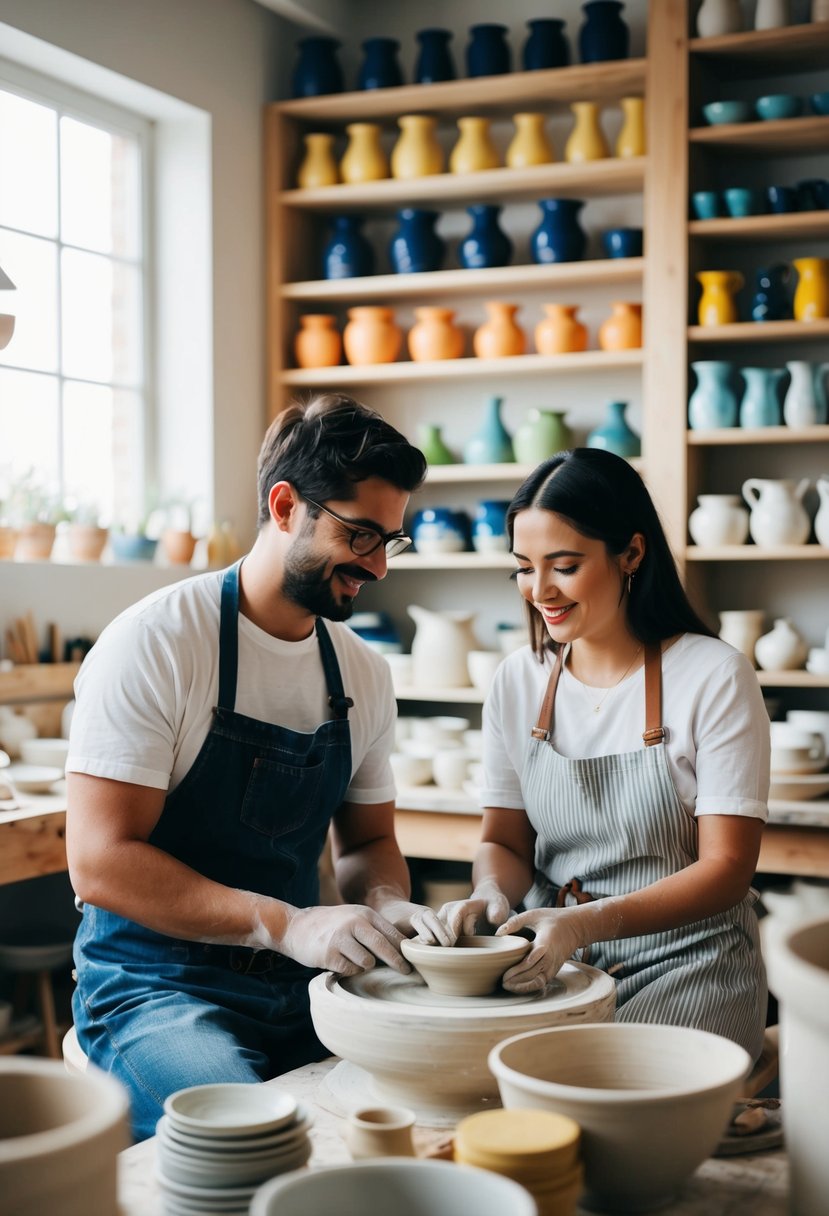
(252, 813)
(610, 825)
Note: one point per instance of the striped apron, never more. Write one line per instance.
(611, 825)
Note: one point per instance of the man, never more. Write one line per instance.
(220, 727)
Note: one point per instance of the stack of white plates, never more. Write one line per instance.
(217, 1143)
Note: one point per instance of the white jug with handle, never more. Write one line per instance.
(778, 516)
(822, 517)
(441, 644)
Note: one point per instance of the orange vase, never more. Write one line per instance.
(623, 328)
(435, 336)
(371, 335)
(560, 331)
(500, 336)
(317, 343)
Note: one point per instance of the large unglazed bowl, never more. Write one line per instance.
(652, 1101)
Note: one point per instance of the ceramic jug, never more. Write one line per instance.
(586, 141)
(380, 68)
(742, 630)
(615, 435)
(822, 517)
(348, 254)
(547, 46)
(318, 167)
(772, 14)
(491, 444)
(430, 441)
(713, 403)
(474, 150)
(622, 330)
(783, 649)
(435, 336)
(440, 647)
(778, 516)
(434, 61)
(486, 244)
(500, 336)
(559, 237)
(415, 246)
(364, 159)
(560, 331)
(488, 52)
(631, 138)
(720, 519)
(604, 34)
(317, 70)
(542, 434)
(771, 300)
(760, 405)
(318, 343)
(805, 403)
(417, 152)
(371, 336)
(811, 296)
(529, 145)
(717, 17)
(717, 305)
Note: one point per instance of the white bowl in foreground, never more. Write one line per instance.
(472, 967)
(49, 752)
(398, 1184)
(652, 1101)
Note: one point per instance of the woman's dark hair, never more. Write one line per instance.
(326, 445)
(603, 497)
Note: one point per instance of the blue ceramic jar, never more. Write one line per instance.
(623, 242)
(440, 530)
(771, 300)
(614, 434)
(434, 60)
(380, 68)
(415, 246)
(317, 69)
(347, 254)
(378, 631)
(488, 52)
(713, 403)
(489, 526)
(546, 47)
(559, 237)
(485, 244)
(604, 34)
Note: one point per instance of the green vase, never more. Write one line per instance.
(432, 445)
(542, 434)
(492, 443)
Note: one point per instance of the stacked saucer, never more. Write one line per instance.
(217, 1143)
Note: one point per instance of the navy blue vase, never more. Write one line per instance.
(348, 254)
(771, 300)
(415, 245)
(604, 34)
(487, 52)
(546, 46)
(434, 61)
(380, 68)
(486, 244)
(317, 69)
(559, 237)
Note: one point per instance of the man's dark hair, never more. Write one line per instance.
(324, 446)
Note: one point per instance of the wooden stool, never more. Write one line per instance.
(33, 958)
(74, 1058)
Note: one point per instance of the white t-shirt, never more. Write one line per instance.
(712, 710)
(146, 691)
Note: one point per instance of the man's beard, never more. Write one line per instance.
(306, 584)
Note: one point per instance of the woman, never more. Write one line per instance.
(626, 755)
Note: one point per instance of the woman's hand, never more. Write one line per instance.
(557, 937)
(462, 916)
(416, 920)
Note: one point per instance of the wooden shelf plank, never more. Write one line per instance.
(471, 282)
(799, 45)
(482, 94)
(453, 561)
(448, 474)
(761, 331)
(463, 696)
(445, 369)
(608, 176)
(794, 226)
(792, 679)
(756, 553)
(791, 136)
(738, 435)
(38, 682)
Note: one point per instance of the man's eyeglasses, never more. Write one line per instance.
(363, 539)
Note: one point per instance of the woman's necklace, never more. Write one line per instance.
(595, 708)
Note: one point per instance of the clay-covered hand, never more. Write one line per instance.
(346, 938)
(415, 920)
(487, 902)
(558, 935)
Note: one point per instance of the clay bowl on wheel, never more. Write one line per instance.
(472, 967)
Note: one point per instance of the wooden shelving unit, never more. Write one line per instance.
(754, 553)
(790, 48)
(767, 331)
(793, 226)
(787, 136)
(453, 561)
(758, 436)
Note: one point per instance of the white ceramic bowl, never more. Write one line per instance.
(652, 1101)
(230, 1109)
(49, 752)
(798, 788)
(33, 778)
(398, 1184)
(410, 769)
(482, 665)
(472, 967)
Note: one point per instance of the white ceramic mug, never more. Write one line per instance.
(410, 769)
(818, 661)
(449, 767)
(789, 734)
(380, 1131)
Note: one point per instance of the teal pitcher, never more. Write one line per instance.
(492, 443)
(713, 403)
(760, 405)
(542, 434)
(614, 435)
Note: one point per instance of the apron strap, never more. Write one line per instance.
(544, 727)
(339, 702)
(229, 637)
(654, 731)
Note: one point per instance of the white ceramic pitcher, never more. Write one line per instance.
(778, 516)
(822, 517)
(441, 644)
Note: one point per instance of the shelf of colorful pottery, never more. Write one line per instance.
(611, 175)
(739, 435)
(792, 136)
(449, 696)
(548, 88)
(785, 49)
(792, 679)
(430, 283)
(445, 369)
(761, 331)
(793, 226)
(757, 553)
(453, 561)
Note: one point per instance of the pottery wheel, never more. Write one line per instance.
(387, 985)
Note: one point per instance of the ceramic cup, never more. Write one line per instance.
(818, 661)
(449, 767)
(401, 670)
(411, 769)
(707, 204)
(778, 105)
(623, 242)
(740, 202)
(809, 720)
(793, 759)
(482, 665)
(380, 1131)
(782, 199)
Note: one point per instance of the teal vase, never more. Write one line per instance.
(542, 434)
(614, 435)
(712, 404)
(760, 405)
(432, 446)
(491, 444)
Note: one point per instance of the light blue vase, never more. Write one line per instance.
(614, 435)
(713, 403)
(491, 444)
(760, 405)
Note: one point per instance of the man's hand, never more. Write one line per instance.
(462, 916)
(346, 938)
(557, 937)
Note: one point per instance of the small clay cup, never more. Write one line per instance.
(380, 1131)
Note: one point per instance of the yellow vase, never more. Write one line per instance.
(586, 140)
(631, 140)
(364, 159)
(529, 144)
(717, 305)
(318, 167)
(417, 152)
(474, 150)
(811, 297)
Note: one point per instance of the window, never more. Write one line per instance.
(74, 383)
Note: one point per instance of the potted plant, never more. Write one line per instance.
(178, 542)
(38, 512)
(85, 536)
(129, 540)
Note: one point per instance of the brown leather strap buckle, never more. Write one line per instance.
(538, 732)
(573, 887)
(655, 735)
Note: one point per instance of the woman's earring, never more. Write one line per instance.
(630, 579)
